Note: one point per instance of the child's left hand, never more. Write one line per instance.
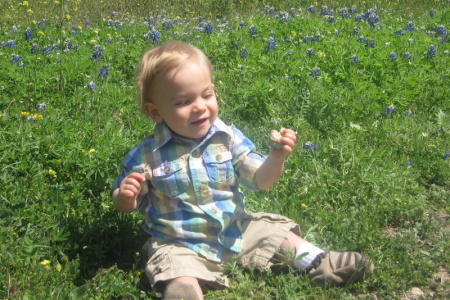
(287, 140)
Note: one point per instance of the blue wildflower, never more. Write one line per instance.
(14, 29)
(292, 12)
(399, 31)
(370, 44)
(271, 44)
(118, 24)
(409, 163)
(167, 25)
(355, 31)
(41, 106)
(373, 19)
(253, 31)
(310, 146)
(392, 56)
(326, 11)
(103, 72)
(96, 53)
(288, 78)
(441, 30)
(9, 44)
(407, 55)
(15, 58)
(446, 155)
(344, 13)
(153, 36)
(150, 22)
(432, 13)
(243, 24)
(240, 67)
(352, 10)
(315, 72)
(114, 14)
(361, 39)
(312, 9)
(28, 34)
(408, 113)
(34, 48)
(244, 52)
(354, 58)
(431, 54)
(410, 26)
(91, 85)
(390, 109)
(209, 28)
(310, 52)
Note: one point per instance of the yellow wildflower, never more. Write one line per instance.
(321, 54)
(46, 263)
(52, 173)
(37, 116)
(41, 33)
(58, 267)
(25, 113)
(68, 17)
(92, 150)
(25, 3)
(56, 2)
(30, 11)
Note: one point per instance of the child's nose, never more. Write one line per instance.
(199, 106)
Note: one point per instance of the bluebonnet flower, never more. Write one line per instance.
(28, 34)
(431, 54)
(34, 48)
(15, 58)
(292, 12)
(336, 32)
(408, 113)
(271, 44)
(344, 13)
(310, 52)
(315, 72)
(361, 39)
(209, 28)
(114, 14)
(9, 44)
(390, 109)
(288, 78)
(331, 19)
(432, 13)
(103, 72)
(70, 45)
(47, 49)
(40, 23)
(370, 44)
(355, 31)
(167, 25)
(253, 31)
(311, 38)
(410, 26)
(441, 40)
(270, 10)
(310, 146)
(96, 53)
(409, 163)
(244, 52)
(446, 155)
(153, 36)
(91, 85)
(108, 40)
(359, 18)
(243, 24)
(392, 56)
(354, 58)
(118, 24)
(399, 31)
(352, 10)
(373, 19)
(289, 52)
(407, 55)
(282, 16)
(326, 11)
(14, 29)
(234, 45)
(150, 22)
(312, 9)
(41, 106)
(441, 30)
(240, 67)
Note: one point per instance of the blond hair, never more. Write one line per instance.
(162, 59)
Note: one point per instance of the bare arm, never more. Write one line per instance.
(124, 197)
(272, 168)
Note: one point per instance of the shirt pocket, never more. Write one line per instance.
(170, 178)
(219, 166)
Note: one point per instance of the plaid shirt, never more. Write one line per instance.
(191, 194)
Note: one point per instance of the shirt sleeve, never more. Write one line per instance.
(131, 163)
(246, 160)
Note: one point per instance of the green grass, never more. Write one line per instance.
(60, 236)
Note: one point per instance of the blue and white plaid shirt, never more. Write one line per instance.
(191, 194)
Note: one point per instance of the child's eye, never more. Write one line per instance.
(182, 102)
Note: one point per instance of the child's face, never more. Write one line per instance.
(184, 99)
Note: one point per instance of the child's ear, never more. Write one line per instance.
(153, 111)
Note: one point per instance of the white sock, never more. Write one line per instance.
(311, 252)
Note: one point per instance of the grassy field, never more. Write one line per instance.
(365, 85)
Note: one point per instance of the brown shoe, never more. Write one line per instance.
(177, 290)
(338, 269)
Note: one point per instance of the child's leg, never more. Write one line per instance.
(187, 288)
(325, 268)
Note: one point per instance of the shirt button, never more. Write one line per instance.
(214, 211)
(167, 169)
(218, 157)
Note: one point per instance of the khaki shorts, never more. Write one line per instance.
(262, 235)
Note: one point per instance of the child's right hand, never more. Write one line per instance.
(131, 186)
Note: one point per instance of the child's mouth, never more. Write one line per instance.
(199, 122)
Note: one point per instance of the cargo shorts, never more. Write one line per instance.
(262, 233)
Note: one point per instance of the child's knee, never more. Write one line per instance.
(187, 288)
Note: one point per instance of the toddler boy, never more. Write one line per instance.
(185, 178)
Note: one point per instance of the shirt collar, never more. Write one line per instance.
(163, 134)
